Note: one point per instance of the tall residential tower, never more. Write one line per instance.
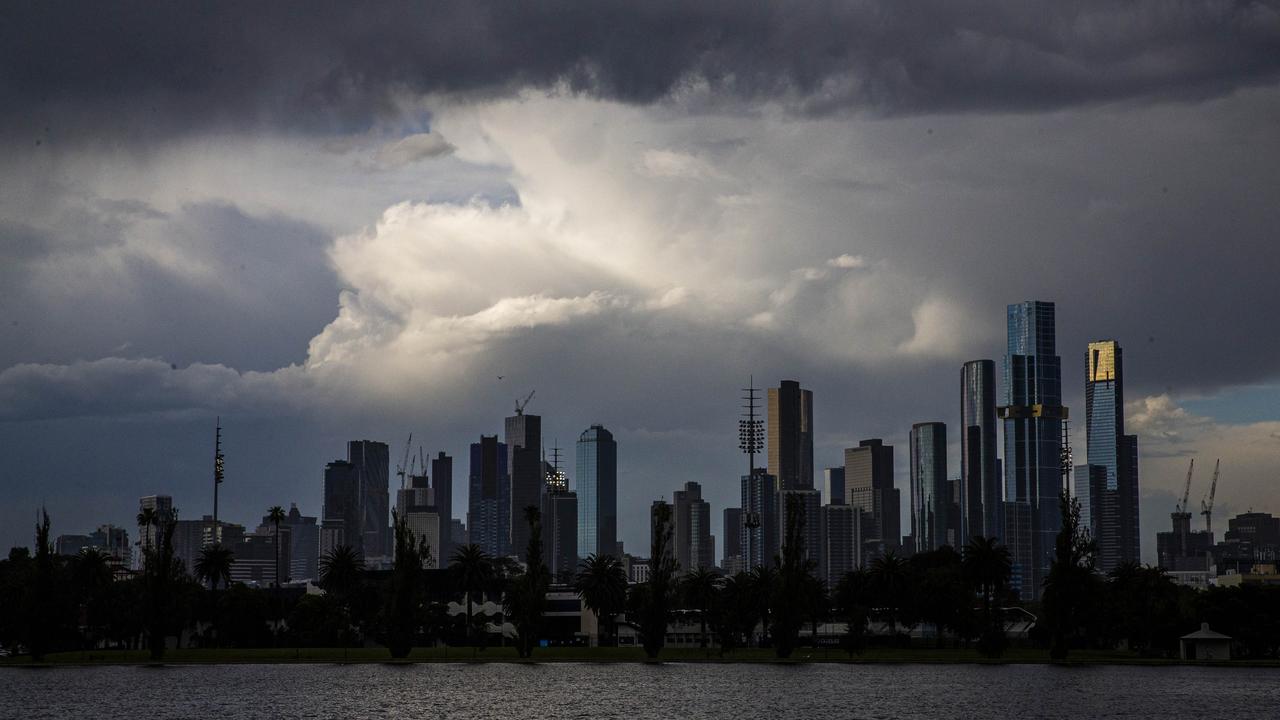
(597, 489)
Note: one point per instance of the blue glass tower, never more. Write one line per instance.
(1107, 485)
(930, 501)
(597, 491)
(1033, 421)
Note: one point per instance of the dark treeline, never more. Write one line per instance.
(50, 603)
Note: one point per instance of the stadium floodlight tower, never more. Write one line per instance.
(750, 441)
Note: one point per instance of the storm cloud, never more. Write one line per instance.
(71, 69)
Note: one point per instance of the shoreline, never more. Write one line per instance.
(606, 656)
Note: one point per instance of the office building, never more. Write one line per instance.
(560, 529)
(810, 505)
(340, 513)
(732, 533)
(759, 519)
(442, 488)
(489, 500)
(833, 486)
(371, 463)
(524, 465)
(841, 542)
(1107, 485)
(981, 487)
(256, 557)
(791, 435)
(661, 525)
(162, 506)
(1033, 418)
(695, 545)
(868, 477)
(304, 545)
(597, 490)
(457, 535)
(930, 499)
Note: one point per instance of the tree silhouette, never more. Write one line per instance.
(764, 580)
(601, 582)
(854, 598)
(794, 572)
(527, 597)
(41, 619)
(473, 571)
(147, 519)
(699, 588)
(340, 571)
(653, 599)
(890, 584)
(275, 515)
(213, 566)
(987, 567)
(1069, 586)
(161, 572)
(411, 552)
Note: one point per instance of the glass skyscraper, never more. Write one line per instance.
(1107, 485)
(981, 492)
(597, 489)
(524, 467)
(930, 500)
(372, 467)
(1033, 420)
(790, 450)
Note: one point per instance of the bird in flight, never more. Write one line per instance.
(499, 377)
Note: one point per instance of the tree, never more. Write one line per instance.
(340, 571)
(411, 552)
(987, 566)
(601, 582)
(41, 620)
(794, 572)
(890, 586)
(147, 519)
(161, 572)
(275, 514)
(854, 598)
(699, 590)
(764, 578)
(527, 599)
(737, 611)
(653, 599)
(91, 577)
(472, 569)
(1071, 580)
(213, 566)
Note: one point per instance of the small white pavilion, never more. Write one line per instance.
(1205, 644)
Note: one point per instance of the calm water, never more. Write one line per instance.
(637, 692)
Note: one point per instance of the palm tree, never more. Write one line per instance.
(91, 572)
(987, 565)
(147, 519)
(340, 570)
(214, 566)
(699, 589)
(764, 578)
(601, 582)
(276, 515)
(889, 581)
(473, 569)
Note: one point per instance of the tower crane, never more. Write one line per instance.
(1206, 505)
(522, 404)
(1183, 507)
(400, 471)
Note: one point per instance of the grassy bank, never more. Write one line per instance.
(501, 654)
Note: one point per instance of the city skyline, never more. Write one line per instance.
(361, 225)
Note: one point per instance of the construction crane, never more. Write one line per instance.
(521, 405)
(1183, 507)
(400, 471)
(1206, 505)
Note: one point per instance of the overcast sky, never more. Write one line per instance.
(327, 221)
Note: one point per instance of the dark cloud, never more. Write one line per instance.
(161, 67)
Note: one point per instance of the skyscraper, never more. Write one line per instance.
(597, 490)
(981, 492)
(371, 461)
(868, 478)
(304, 538)
(340, 514)
(1107, 485)
(1033, 422)
(442, 484)
(791, 435)
(833, 485)
(559, 526)
(695, 546)
(489, 499)
(930, 500)
(810, 504)
(732, 532)
(524, 464)
(759, 519)
(841, 541)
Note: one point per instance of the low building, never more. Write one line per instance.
(1205, 644)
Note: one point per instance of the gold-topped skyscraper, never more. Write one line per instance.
(1107, 484)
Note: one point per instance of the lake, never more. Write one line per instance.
(639, 692)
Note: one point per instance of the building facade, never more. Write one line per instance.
(930, 499)
(759, 519)
(868, 477)
(790, 449)
(489, 499)
(340, 513)
(981, 488)
(524, 465)
(597, 490)
(731, 530)
(841, 542)
(371, 461)
(1107, 485)
(695, 545)
(442, 486)
(1033, 417)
